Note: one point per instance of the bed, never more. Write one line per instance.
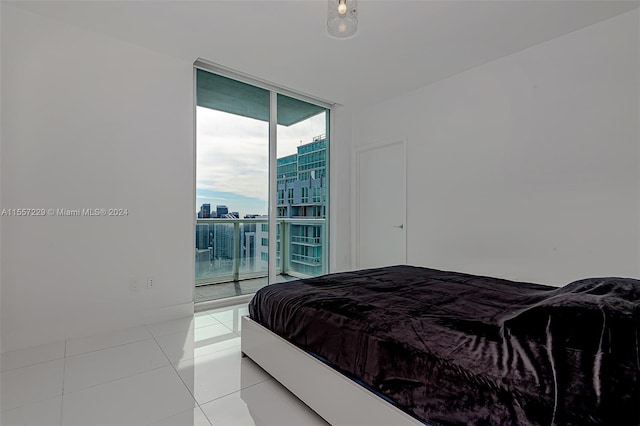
(410, 345)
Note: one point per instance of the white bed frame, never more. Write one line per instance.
(336, 398)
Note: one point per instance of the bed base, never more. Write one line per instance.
(336, 398)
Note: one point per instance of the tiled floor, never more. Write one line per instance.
(183, 372)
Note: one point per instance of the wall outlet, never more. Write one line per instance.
(134, 284)
(151, 282)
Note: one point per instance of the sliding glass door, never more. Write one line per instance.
(302, 178)
(257, 151)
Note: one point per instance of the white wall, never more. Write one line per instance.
(92, 122)
(526, 167)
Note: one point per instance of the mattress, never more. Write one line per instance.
(451, 348)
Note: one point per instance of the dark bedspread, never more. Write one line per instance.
(452, 348)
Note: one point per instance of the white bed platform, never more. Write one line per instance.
(336, 398)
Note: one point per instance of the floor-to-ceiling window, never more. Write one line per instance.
(258, 151)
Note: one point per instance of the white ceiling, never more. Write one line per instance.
(400, 45)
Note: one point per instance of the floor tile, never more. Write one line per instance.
(211, 346)
(177, 346)
(43, 413)
(267, 403)
(211, 333)
(228, 314)
(107, 340)
(135, 400)
(181, 325)
(204, 321)
(30, 356)
(187, 345)
(235, 326)
(193, 417)
(172, 326)
(93, 368)
(34, 383)
(218, 374)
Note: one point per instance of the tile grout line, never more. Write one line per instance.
(64, 373)
(114, 346)
(180, 377)
(38, 362)
(124, 377)
(239, 390)
(115, 380)
(192, 359)
(30, 365)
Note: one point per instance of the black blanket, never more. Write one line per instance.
(451, 348)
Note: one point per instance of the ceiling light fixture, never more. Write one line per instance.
(342, 19)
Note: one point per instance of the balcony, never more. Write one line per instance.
(231, 256)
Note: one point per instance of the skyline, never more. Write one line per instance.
(232, 157)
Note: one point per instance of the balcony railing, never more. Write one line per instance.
(237, 249)
(306, 240)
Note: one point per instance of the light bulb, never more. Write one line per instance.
(342, 7)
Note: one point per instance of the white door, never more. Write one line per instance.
(381, 206)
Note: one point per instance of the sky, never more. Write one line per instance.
(232, 158)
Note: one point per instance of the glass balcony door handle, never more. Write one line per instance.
(401, 226)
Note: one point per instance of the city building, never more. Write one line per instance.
(221, 210)
(302, 192)
(205, 211)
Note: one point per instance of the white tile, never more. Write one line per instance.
(211, 334)
(187, 345)
(30, 356)
(34, 383)
(204, 320)
(267, 403)
(173, 326)
(43, 413)
(227, 314)
(193, 417)
(209, 347)
(93, 368)
(181, 325)
(235, 326)
(107, 340)
(177, 346)
(220, 373)
(135, 400)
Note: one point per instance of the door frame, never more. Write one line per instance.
(355, 178)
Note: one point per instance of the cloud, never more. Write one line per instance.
(232, 155)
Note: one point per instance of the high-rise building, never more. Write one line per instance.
(223, 241)
(302, 193)
(205, 211)
(204, 235)
(221, 210)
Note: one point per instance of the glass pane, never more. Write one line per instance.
(232, 185)
(302, 175)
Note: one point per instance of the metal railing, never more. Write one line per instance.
(237, 249)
